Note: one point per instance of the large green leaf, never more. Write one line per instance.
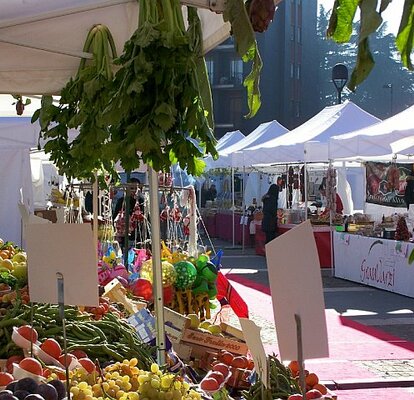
(246, 46)
(405, 35)
(340, 24)
(364, 65)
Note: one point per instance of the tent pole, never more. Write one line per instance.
(305, 188)
(331, 234)
(232, 205)
(156, 264)
(243, 207)
(95, 211)
(127, 207)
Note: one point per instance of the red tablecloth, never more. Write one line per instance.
(322, 239)
(224, 231)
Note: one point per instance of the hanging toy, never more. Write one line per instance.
(168, 272)
(176, 213)
(142, 288)
(186, 275)
(186, 225)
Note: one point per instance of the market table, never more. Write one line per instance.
(322, 239)
(221, 228)
(376, 262)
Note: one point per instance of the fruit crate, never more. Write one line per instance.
(209, 341)
(239, 378)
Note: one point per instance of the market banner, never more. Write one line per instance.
(386, 183)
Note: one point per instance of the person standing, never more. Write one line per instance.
(269, 221)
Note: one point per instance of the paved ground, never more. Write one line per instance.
(389, 313)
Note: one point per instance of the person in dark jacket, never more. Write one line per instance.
(409, 190)
(269, 222)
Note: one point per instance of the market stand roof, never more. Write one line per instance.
(312, 136)
(229, 139)
(41, 41)
(393, 135)
(262, 134)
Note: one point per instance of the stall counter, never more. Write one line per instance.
(219, 225)
(322, 239)
(376, 262)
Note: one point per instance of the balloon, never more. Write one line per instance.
(212, 292)
(168, 292)
(142, 288)
(168, 272)
(186, 275)
(201, 288)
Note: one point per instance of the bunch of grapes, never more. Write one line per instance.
(261, 13)
(125, 381)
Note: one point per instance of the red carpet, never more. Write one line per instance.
(349, 341)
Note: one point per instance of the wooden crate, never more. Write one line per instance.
(214, 342)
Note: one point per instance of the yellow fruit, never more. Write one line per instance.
(214, 329)
(7, 264)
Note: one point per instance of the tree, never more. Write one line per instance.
(389, 87)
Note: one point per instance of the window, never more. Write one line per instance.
(297, 110)
(292, 108)
(236, 71)
(292, 33)
(299, 35)
(292, 70)
(298, 71)
(210, 70)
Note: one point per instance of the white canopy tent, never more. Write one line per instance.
(310, 138)
(229, 139)
(263, 133)
(41, 41)
(376, 140)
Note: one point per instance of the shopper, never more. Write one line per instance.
(269, 221)
(409, 190)
(338, 200)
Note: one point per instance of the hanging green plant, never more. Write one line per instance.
(161, 102)
(80, 107)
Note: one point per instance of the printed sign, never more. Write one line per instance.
(386, 183)
(144, 324)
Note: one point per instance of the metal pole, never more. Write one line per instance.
(392, 96)
(95, 211)
(243, 206)
(156, 264)
(339, 96)
(305, 188)
(232, 205)
(126, 217)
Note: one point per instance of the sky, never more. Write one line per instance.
(392, 15)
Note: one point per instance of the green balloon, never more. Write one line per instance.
(201, 288)
(186, 274)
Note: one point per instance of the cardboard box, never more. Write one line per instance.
(47, 214)
(239, 378)
(176, 320)
(214, 342)
(173, 334)
(183, 351)
(232, 331)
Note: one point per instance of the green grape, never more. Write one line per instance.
(186, 385)
(74, 390)
(88, 397)
(119, 393)
(177, 385)
(133, 396)
(105, 386)
(154, 368)
(133, 362)
(143, 378)
(166, 381)
(176, 394)
(155, 383)
(82, 385)
(168, 396)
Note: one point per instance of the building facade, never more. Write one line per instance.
(288, 80)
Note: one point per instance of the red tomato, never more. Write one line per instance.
(10, 361)
(295, 397)
(313, 394)
(63, 359)
(28, 333)
(209, 384)
(79, 353)
(5, 378)
(223, 368)
(225, 357)
(217, 375)
(51, 347)
(88, 364)
(30, 364)
(239, 362)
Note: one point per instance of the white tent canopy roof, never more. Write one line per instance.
(377, 140)
(41, 41)
(262, 134)
(311, 136)
(229, 139)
